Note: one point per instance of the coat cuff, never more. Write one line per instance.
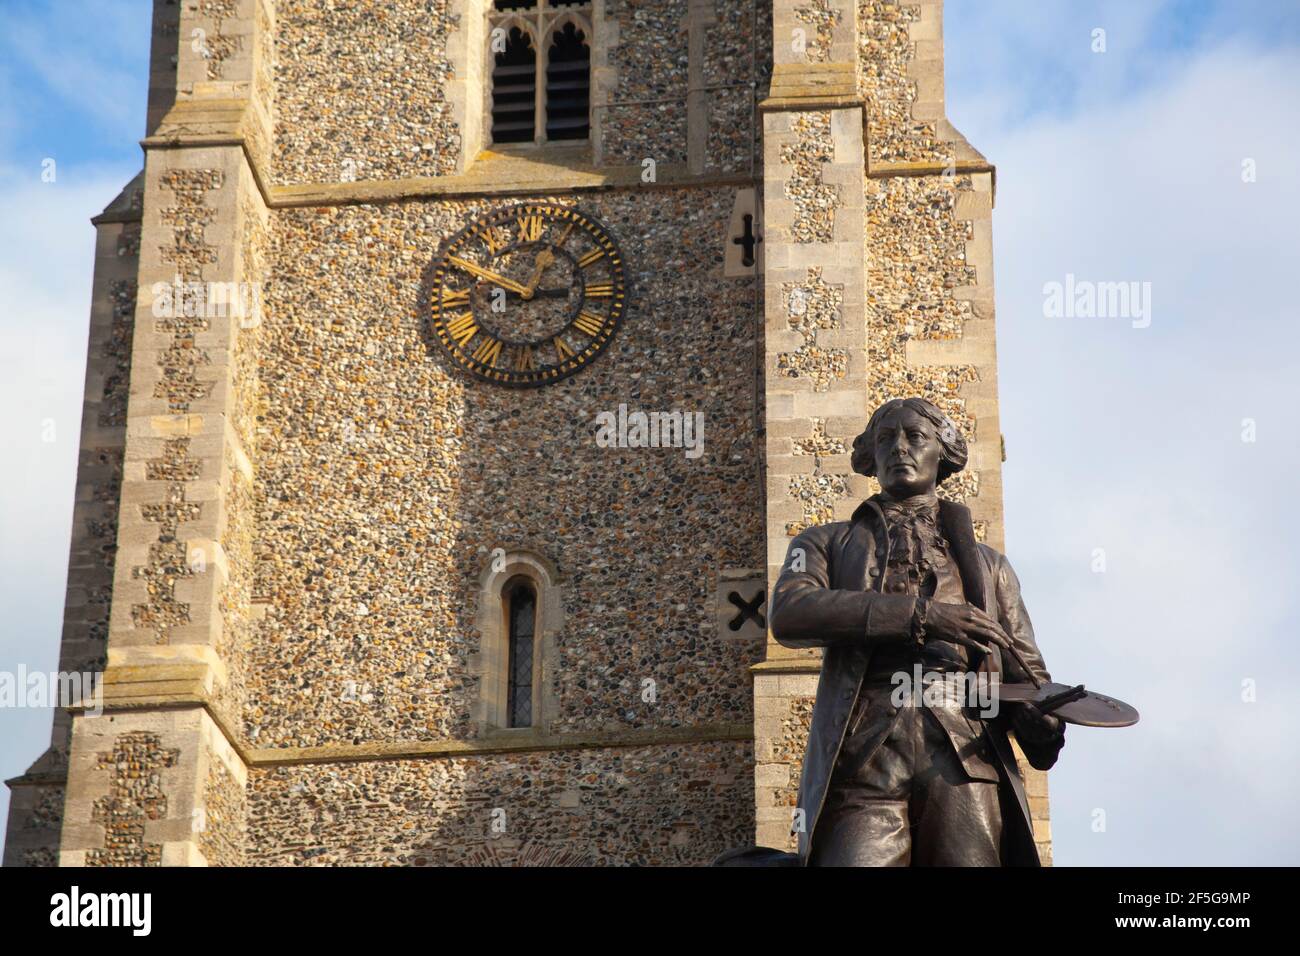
(889, 617)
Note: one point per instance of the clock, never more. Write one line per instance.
(527, 295)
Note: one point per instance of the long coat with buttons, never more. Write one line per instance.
(827, 597)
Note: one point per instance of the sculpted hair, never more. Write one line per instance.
(953, 445)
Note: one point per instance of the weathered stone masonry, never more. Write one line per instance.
(178, 568)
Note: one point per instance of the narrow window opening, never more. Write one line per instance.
(568, 84)
(514, 90)
(747, 610)
(521, 616)
(747, 241)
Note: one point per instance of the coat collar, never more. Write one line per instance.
(958, 528)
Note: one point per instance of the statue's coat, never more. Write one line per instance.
(832, 603)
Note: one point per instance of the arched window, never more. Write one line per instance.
(520, 612)
(541, 88)
(521, 624)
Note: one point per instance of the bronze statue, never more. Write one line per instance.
(900, 590)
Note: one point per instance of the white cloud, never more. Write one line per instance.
(1130, 440)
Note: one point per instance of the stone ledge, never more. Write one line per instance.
(201, 116)
(962, 168)
(184, 695)
(37, 780)
(514, 180)
(794, 99)
(789, 665)
(492, 174)
(349, 753)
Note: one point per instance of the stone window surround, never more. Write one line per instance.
(539, 23)
(490, 709)
(565, 161)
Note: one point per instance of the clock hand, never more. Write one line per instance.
(560, 293)
(544, 259)
(524, 291)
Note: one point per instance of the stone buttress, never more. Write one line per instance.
(156, 779)
(878, 285)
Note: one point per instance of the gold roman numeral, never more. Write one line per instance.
(460, 262)
(495, 239)
(462, 328)
(562, 348)
(602, 290)
(586, 322)
(451, 298)
(594, 256)
(530, 228)
(488, 351)
(524, 358)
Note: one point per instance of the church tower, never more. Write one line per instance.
(459, 371)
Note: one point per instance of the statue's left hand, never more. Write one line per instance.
(1034, 726)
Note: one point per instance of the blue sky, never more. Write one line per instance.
(73, 82)
(1127, 166)
(1117, 166)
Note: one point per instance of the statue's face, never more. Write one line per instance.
(907, 454)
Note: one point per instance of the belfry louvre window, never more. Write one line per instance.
(541, 70)
(521, 621)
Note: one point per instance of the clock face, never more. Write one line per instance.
(528, 294)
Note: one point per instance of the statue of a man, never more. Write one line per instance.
(901, 590)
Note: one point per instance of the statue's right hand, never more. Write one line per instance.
(964, 624)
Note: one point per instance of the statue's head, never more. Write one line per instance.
(910, 446)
